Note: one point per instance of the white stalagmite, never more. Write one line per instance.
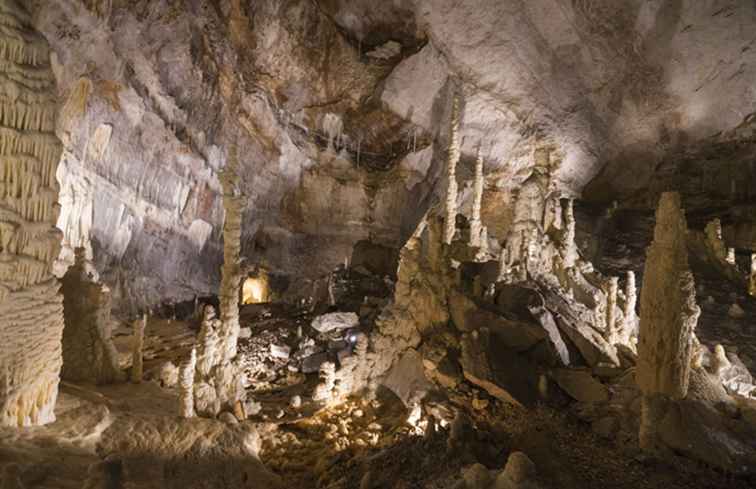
(137, 365)
(233, 205)
(324, 390)
(569, 251)
(613, 332)
(450, 224)
(186, 385)
(668, 319)
(631, 298)
(730, 256)
(475, 224)
(31, 310)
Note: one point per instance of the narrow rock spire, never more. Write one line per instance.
(451, 175)
(668, 318)
(475, 223)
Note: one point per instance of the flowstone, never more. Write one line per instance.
(31, 308)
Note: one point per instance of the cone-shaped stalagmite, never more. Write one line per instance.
(668, 318)
(451, 175)
(31, 310)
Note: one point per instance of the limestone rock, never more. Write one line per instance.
(499, 371)
(335, 321)
(581, 385)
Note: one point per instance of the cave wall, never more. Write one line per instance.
(30, 305)
(339, 110)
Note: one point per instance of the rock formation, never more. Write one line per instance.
(752, 276)
(613, 326)
(450, 222)
(668, 318)
(631, 296)
(231, 273)
(137, 355)
(476, 227)
(88, 351)
(30, 305)
(186, 385)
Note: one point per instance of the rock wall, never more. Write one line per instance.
(30, 305)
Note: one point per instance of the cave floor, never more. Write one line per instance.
(361, 443)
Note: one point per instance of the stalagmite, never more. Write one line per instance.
(31, 310)
(668, 318)
(450, 223)
(233, 205)
(713, 232)
(613, 330)
(569, 250)
(752, 276)
(186, 385)
(88, 350)
(730, 258)
(137, 365)
(475, 224)
(324, 390)
(631, 298)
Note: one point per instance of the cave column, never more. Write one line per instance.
(668, 319)
(31, 309)
(231, 272)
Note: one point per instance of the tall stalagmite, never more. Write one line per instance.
(231, 272)
(450, 222)
(31, 309)
(668, 318)
(475, 223)
(88, 350)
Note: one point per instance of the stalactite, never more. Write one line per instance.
(450, 223)
(137, 365)
(668, 318)
(475, 224)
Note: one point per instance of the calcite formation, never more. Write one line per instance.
(752, 276)
(231, 273)
(613, 326)
(137, 355)
(668, 318)
(476, 227)
(30, 306)
(186, 385)
(89, 354)
(450, 222)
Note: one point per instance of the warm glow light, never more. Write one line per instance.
(253, 291)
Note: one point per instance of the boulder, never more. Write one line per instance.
(312, 363)
(580, 385)
(696, 429)
(279, 351)
(335, 321)
(517, 335)
(497, 369)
